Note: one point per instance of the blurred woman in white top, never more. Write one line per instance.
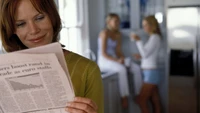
(110, 56)
(149, 57)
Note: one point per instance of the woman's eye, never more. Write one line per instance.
(21, 24)
(40, 17)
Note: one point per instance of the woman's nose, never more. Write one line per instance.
(34, 28)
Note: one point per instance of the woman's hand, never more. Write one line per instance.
(121, 60)
(81, 105)
(137, 56)
(135, 37)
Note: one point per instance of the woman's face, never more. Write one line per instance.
(114, 23)
(146, 27)
(33, 28)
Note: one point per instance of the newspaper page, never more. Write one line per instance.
(33, 83)
(51, 48)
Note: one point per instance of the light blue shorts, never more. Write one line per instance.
(152, 76)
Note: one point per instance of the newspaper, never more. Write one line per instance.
(51, 48)
(34, 83)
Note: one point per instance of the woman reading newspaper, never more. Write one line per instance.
(32, 23)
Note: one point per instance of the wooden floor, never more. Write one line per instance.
(182, 95)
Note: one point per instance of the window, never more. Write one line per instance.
(74, 33)
(122, 8)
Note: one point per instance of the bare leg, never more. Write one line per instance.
(144, 96)
(124, 102)
(155, 98)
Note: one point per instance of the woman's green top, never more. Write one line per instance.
(86, 79)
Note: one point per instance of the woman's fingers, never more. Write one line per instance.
(73, 110)
(86, 101)
(135, 37)
(81, 105)
(74, 107)
(136, 56)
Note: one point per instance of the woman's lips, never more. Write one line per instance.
(36, 40)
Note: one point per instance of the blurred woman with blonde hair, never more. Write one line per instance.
(110, 56)
(149, 56)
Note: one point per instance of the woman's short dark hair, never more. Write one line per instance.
(9, 39)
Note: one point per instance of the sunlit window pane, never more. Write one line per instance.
(70, 31)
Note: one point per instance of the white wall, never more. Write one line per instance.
(183, 2)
